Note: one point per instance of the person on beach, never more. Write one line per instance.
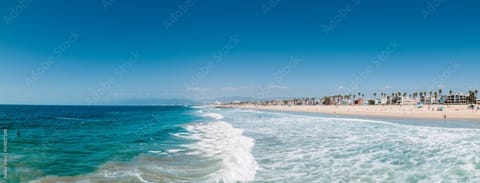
(444, 117)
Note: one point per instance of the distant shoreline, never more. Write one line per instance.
(455, 112)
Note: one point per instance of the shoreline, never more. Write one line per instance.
(455, 112)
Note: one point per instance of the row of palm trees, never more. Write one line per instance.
(391, 98)
(471, 97)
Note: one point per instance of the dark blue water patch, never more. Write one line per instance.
(74, 140)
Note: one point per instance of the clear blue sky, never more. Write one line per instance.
(208, 49)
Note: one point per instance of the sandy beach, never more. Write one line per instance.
(393, 111)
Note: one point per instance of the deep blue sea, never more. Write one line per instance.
(201, 144)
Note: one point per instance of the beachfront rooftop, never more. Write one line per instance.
(384, 99)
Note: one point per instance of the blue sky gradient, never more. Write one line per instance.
(211, 49)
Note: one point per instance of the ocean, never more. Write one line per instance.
(201, 144)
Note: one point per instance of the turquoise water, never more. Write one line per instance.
(199, 144)
(70, 141)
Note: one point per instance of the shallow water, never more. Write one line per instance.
(316, 148)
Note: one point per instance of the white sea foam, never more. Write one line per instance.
(158, 152)
(174, 150)
(214, 115)
(180, 135)
(298, 148)
(67, 118)
(221, 141)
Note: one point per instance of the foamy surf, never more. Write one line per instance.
(310, 148)
(213, 116)
(221, 141)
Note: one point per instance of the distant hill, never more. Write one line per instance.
(154, 101)
(179, 101)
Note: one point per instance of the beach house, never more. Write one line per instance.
(358, 101)
(442, 100)
(401, 100)
(380, 101)
(456, 99)
(408, 101)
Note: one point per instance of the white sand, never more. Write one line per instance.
(406, 111)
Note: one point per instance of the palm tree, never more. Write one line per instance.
(450, 92)
(425, 96)
(470, 97)
(375, 95)
(440, 92)
(422, 96)
(431, 93)
(473, 97)
(476, 94)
